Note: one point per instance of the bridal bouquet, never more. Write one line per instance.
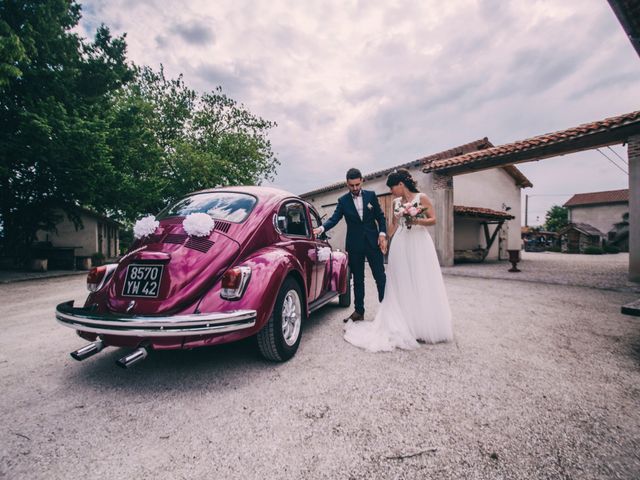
(409, 211)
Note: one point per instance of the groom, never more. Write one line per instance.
(366, 237)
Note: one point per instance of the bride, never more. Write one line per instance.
(415, 306)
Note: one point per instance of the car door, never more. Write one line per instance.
(295, 226)
(323, 257)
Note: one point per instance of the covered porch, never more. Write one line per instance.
(473, 236)
(623, 129)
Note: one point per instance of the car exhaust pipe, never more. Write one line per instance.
(88, 350)
(133, 358)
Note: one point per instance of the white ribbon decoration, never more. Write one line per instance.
(198, 224)
(145, 226)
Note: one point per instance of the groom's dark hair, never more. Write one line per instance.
(353, 173)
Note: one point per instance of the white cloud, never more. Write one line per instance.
(373, 83)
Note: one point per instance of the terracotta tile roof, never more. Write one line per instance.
(582, 227)
(518, 176)
(452, 152)
(547, 139)
(610, 196)
(479, 212)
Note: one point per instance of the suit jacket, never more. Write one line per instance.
(359, 230)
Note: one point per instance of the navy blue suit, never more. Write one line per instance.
(362, 241)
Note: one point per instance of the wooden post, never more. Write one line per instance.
(443, 204)
(633, 151)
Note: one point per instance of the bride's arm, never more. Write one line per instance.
(428, 212)
(393, 227)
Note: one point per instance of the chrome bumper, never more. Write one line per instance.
(137, 326)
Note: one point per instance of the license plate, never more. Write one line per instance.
(142, 281)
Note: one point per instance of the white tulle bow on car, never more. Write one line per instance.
(198, 224)
(145, 226)
(324, 254)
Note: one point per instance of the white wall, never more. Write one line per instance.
(600, 216)
(85, 237)
(467, 234)
(491, 189)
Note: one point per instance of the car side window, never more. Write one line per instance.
(292, 219)
(315, 219)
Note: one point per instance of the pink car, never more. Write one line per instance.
(259, 271)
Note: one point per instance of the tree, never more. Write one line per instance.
(79, 126)
(557, 217)
(54, 101)
(205, 140)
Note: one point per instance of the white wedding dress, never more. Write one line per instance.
(415, 306)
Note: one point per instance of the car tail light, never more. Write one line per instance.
(98, 276)
(234, 282)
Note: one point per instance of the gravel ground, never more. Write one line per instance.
(542, 381)
(608, 272)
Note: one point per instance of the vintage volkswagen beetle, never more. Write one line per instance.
(259, 272)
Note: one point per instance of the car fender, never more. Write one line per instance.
(339, 270)
(269, 268)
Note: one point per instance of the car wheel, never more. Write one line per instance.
(280, 337)
(344, 300)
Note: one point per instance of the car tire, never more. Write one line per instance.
(279, 339)
(344, 300)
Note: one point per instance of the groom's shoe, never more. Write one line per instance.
(355, 316)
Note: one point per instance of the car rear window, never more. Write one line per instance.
(233, 207)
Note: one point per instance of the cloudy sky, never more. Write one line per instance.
(374, 84)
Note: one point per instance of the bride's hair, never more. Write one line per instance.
(402, 175)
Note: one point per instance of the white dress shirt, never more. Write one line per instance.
(358, 203)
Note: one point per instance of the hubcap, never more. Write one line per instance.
(291, 317)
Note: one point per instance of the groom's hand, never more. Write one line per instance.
(317, 231)
(382, 243)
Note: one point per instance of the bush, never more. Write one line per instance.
(554, 249)
(97, 259)
(611, 249)
(593, 251)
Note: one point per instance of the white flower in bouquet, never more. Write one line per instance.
(198, 224)
(145, 226)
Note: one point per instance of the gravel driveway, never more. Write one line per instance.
(542, 381)
(609, 272)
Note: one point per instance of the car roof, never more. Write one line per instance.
(263, 194)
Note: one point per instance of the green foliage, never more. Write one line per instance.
(556, 218)
(79, 126)
(593, 250)
(97, 259)
(53, 104)
(611, 249)
(126, 239)
(12, 53)
(203, 140)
